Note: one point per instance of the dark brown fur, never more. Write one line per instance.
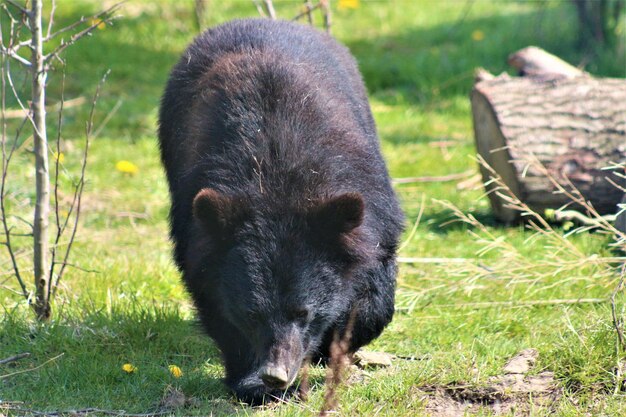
(283, 217)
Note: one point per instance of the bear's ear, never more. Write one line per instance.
(217, 212)
(340, 214)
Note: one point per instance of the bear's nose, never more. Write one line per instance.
(275, 377)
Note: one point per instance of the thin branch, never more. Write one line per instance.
(269, 6)
(51, 20)
(561, 215)
(259, 8)
(19, 113)
(442, 178)
(309, 9)
(404, 260)
(26, 110)
(57, 218)
(31, 369)
(462, 17)
(83, 411)
(326, 13)
(78, 192)
(108, 117)
(14, 358)
(23, 220)
(6, 160)
(524, 303)
(82, 20)
(511, 304)
(415, 225)
(14, 45)
(19, 7)
(80, 268)
(307, 12)
(339, 361)
(618, 322)
(102, 17)
(13, 54)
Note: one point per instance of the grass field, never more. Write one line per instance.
(417, 59)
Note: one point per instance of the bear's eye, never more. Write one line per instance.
(253, 316)
(301, 314)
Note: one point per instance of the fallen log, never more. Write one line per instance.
(571, 124)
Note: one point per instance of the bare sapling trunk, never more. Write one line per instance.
(42, 174)
(45, 251)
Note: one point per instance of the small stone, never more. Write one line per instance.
(367, 359)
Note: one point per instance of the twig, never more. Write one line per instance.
(326, 13)
(82, 411)
(132, 215)
(406, 260)
(339, 361)
(18, 113)
(18, 6)
(80, 268)
(31, 369)
(309, 9)
(17, 97)
(51, 19)
(78, 191)
(618, 322)
(14, 358)
(560, 215)
(107, 118)
(57, 217)
(102, 17)
(13, 54)
(6, 160)
(415, 225)
(269, 6)
(14, 46)
(443, 178)
(304, 387)
(259, 8)
(307, 12)
(462, 17)
(494, 304)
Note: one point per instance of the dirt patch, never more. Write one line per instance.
(514, 390)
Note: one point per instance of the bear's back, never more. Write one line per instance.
(277, 113)
(333, 69)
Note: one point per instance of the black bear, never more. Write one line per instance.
(283, 218)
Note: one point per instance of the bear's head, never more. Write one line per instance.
(284, 275)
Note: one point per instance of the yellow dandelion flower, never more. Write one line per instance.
(59, 157)
(126, 167)
(100, 24)
(348, 4)
(478, 35)
(129, 368)
(175, 371)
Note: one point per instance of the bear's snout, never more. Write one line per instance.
(275, 377)
(284, 359)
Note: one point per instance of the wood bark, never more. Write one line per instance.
(620, 222)
(42, 175)
(572, 124)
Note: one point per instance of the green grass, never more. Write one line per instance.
(417, 58)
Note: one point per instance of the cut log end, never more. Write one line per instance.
(535, 131)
